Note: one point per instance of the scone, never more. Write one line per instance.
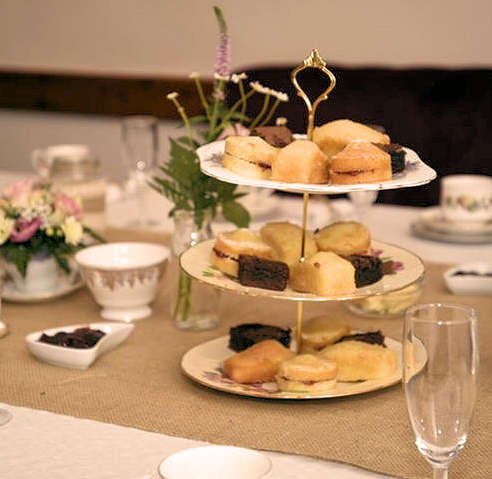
(344, 238)
(300, 162)
(360, 162)
(334, 136)
(259, 363)
(249, 156)
(228, 247)
(320, 331)
(307, 373)
(358, 361)
(324, 274)
(285, 239)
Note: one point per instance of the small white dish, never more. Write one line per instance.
(123, 277)
(475, 278)
(73, 358)
(215, 462)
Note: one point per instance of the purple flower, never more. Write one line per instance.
(223, 51)
(23, 229)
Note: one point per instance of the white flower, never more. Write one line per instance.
(237, 77)
(73, 231)
(194, 75)
(281, 120)
(257, 86)
(172, 96)
(218, 76)
(6, 225)
(281, 96)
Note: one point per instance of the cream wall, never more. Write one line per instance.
(176, 37)
(164, 37)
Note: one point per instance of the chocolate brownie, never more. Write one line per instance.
(262, 273)
(368, 269)
(278, 136)
(245, 335)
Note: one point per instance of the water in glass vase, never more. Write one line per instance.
(194, 305)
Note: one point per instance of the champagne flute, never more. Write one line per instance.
(440, 369)
(140, 150)
(5, 416)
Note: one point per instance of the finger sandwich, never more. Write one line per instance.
(249, 156)
(228, 246)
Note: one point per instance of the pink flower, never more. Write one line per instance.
(23, 229)
(234, 130)
(19, 192)
(67, 205)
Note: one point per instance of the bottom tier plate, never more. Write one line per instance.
(406, 269)
(203, 364)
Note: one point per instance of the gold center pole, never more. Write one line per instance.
(314, 60)
(300, 304)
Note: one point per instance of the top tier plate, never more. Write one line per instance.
(416, 173)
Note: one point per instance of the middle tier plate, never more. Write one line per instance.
(406, 269)
(416, 173)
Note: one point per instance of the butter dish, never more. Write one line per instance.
(68, 357)
(470, 278)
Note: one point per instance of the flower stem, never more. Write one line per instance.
(231, 111)
(184, 117)
(272, 111)
(182, 308)
(262, 112)
(213, 119)
(243, 97)
(204, 101)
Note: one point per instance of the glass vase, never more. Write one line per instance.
(194, 305)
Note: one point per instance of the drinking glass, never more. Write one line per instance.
(140, 151)
(440, 369)
(5, 415)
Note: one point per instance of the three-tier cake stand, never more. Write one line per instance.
(195, 261)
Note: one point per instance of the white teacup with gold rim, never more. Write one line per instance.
(466, 198)
(123, 277)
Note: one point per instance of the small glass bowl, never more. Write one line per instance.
(390, 305)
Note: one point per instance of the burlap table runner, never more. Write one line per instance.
(140, 384)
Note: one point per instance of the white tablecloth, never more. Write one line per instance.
(43, 445)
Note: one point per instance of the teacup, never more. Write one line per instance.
(123, 277)
(466, 198)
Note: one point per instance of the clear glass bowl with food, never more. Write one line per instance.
(390, 305)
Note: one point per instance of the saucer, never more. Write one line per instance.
(433, 219)
(215, 462)
(422, 230)
(11, 293)
(73, 358)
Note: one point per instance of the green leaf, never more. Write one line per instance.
(236, 213)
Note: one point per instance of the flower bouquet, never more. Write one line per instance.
(39, 230)
(193, 193)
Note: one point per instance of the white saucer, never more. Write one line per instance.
(11, 293)
(422, 230)
(433, 219)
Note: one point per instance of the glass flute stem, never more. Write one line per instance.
(440, 472)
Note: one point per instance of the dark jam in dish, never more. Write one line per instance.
(472, 273)
(81, 338)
